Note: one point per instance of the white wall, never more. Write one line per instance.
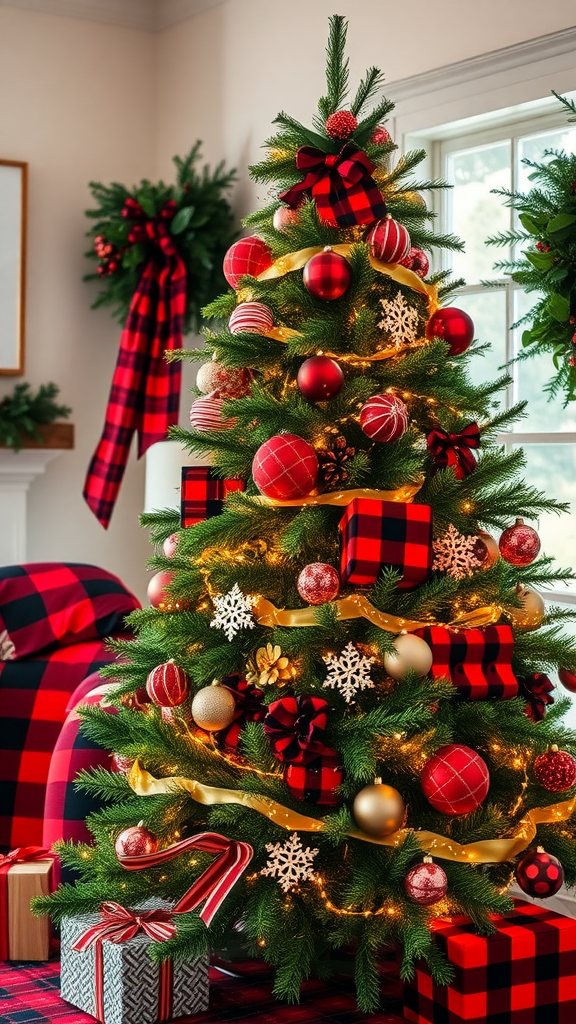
(77, 104)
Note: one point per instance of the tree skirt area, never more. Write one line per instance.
(30, 994)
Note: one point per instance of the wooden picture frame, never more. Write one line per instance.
(13, 217)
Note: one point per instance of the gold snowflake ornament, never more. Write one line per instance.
(269, 667)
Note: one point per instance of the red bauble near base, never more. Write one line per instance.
(135, 841)
(426, 883)
(539, 874)
(320, 378)
(318, 583)
(454, 326)
(519, 544)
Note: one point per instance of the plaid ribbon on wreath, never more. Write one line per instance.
(295, 728)
(386, 533)
(145, 392)
(202, 494)
(341, 185)
(477, 661)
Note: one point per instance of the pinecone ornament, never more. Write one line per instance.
(332, 462)
(269, 667)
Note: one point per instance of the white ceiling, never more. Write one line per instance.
(151, 15)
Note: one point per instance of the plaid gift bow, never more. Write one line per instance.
(341, 185)
(295, 728)
(454, 449)
(145, 392)
(21, 855)
(537, 689)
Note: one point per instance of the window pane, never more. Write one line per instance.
(570, 720)
(473, 213)
(532, 147)
(552, 469)
(488, 311)
(531, 375)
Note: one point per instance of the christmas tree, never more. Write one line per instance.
(343, 669)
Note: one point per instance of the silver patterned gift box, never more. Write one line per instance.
(131, 980)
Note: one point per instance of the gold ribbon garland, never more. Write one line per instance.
(487, 851)
(404, 494)
(285, 333)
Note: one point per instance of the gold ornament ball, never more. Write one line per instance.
(531, 614)
(379, 810)
(492, 549)
(411, 652)
(213, 708)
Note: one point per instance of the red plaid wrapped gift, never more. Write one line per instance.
(386, 533)
(525, 973)
(478, 661)
(318, 781)
(203, 494)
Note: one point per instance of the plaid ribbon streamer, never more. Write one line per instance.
(477, 661)
(454, 450)
(341, 185)
(295, 728)
(317, 781)
(386, 533)
(524, 973)
(537, 689)
(21, 855)
(202, 494)
(145, 392)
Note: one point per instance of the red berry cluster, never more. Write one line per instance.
(341, 124)
(542, 247)
(109, 256)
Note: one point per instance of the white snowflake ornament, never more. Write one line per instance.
(289, 863)
(233, 612)
(349, 672)
(400, 320)
(455, 554)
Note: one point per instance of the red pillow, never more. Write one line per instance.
(45, 605)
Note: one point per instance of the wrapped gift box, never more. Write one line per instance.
(478, 661)
(25, 937)
(525, 973)
(134, 988)
(202, 494)
(386, 533)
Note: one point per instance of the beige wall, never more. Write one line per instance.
(77, 104)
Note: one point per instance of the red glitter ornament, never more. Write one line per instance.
(135, 841)
(247, 256)
(455, 779)
(539, 874)
(381, 136)
(121, 764)
(341, 124)
(417, 261)
(452, 325)
(389, 241)
(170, 544)
(327, 275)
(225, 381)
(320, 378)
(318, 583)
(519, 544)
(568, 679)
(384, 418)
(285, 218)
(168, 685)
(426, 883)
(285, 467)
(555, 770)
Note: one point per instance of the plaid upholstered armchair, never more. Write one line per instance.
(54, 619)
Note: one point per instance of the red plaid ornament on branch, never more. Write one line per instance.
(202, 494)
(341, 185)
(316, 782)
(386, 533)
(477, 661)
(145, 392)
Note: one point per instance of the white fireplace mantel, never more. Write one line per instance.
(17, 471)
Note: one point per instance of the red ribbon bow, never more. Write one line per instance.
(150, 229)
(295, 728)
(117, 924)
(341, 185)
(537, 689)
(455, 449)
(20, 855)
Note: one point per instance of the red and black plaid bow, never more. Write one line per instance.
(537, 689)
(341, 185)
(455, 449)
(295, 728)
(145, 392)
(249, 708)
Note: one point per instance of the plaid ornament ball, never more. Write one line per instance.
(477, 661)
(524, 973)
(386, 533)
(202, 494)
(316, 782)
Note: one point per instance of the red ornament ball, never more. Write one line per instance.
(426, 883)
(452, 325)
(285, 467)
(170, 544)
(206, 414)
(341, 124)
(320, 378)
(327, 275)
(519, 544)
(555, 770)
(168, 685)
(568, 679)
(318, 583)
(135, 841)
(284, 217)
(247, 256)
(384, 418)
(381, 135)
(389, 241)
(455, 779)
(226, 381)
(121, 764)
(251, 318)
(539, 874)
(157, 593)
(417, 261)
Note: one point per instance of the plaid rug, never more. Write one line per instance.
(29, 994)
